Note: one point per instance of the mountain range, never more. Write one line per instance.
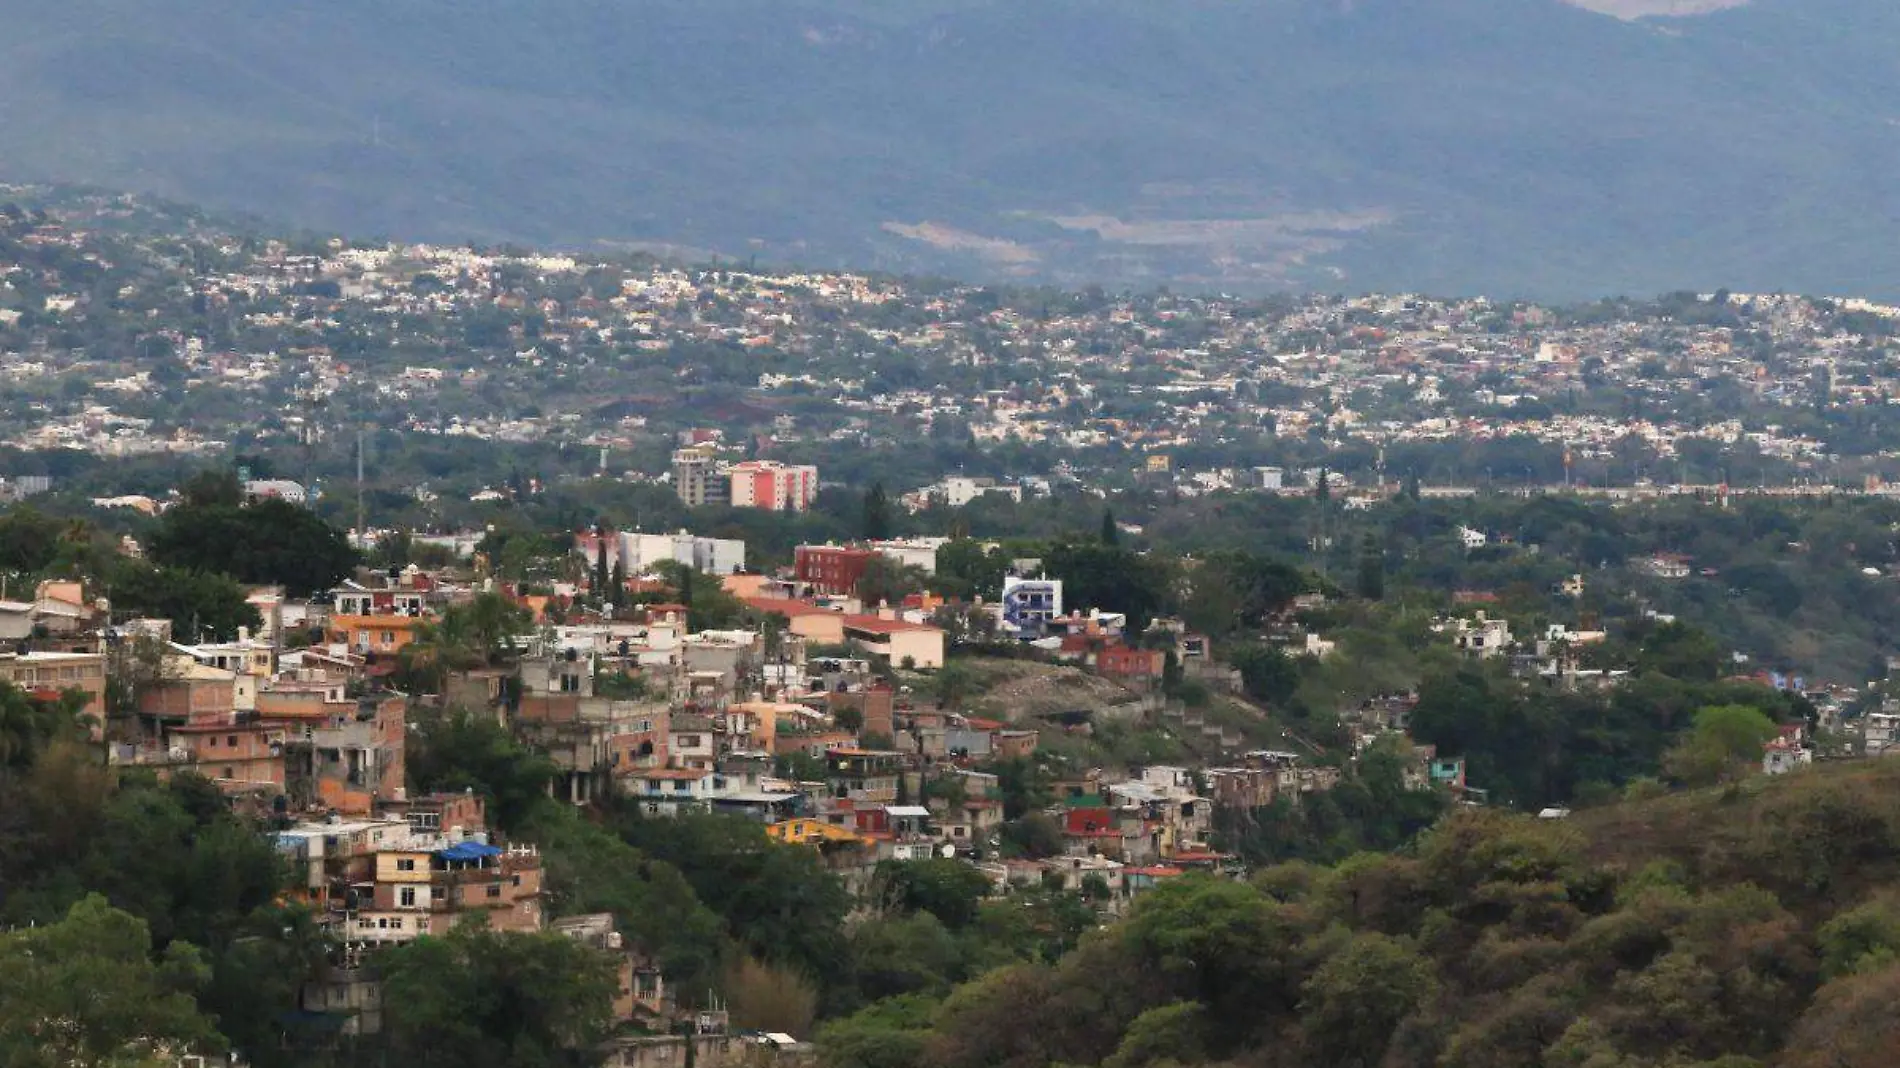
(1511, 147)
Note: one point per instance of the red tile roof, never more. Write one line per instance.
(877, 625)
(787, 607)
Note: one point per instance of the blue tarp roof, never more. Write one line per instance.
(468, 851)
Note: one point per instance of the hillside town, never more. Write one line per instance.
(104, 326)
(828, 721)
(783, 650)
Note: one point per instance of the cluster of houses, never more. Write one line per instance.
(798, 727)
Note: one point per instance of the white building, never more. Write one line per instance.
(1782, 756)
(715, 556)
(920, 553)
(1029, 605)
(959, 490)
(1481, 637)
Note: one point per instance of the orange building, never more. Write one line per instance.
(235, 756)
(383, 635)
(195, 693)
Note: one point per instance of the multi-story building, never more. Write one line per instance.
(384, 881)
(666, 791)
(863, 775)
(345, 757)
(1029, 605)
(50, 674)
(773, 486)
(914, 645)
(637, 553)
(697, 477)
(383, 635)
(831, 569)
(239, 754)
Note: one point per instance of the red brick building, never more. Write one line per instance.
(831, 569)
(1126, 662)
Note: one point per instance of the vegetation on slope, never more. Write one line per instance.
(1739, 926)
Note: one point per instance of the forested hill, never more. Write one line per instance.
(1511, 146)
(1745, 927)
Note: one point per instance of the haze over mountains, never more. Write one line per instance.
(1506, 146)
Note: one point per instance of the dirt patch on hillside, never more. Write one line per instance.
(1018, 690)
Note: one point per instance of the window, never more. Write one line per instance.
(681, 785)
(230, 773)
(494, 890)
(231, 741)
(406, 864)
(389, 637)
(406, 897)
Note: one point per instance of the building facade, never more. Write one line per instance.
(773, 486)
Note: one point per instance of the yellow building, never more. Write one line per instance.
(1160, 463)
(804, 831)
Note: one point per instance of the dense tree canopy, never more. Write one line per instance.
(268, 542)
(480, 998)
(87, 990)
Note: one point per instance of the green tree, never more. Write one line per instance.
(269, 542)
(29, 541)
(1351, 1006)
(1112, 579)
(876, 523)
(708, 605)
(1725, 742)
(1865, 938)
(891, 1033)
(950, 890)
(1221, 944)
(457, 749)
(885, 581)
(87, 991)
(1111, 533)
(1175, 1033)
(1371, 585)
(778, 901)
(967, 570)
(897, 955)
(482, 997)
(1680, 651)
(199, 604)
(213, 487)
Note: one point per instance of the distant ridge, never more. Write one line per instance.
(1511, 147)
